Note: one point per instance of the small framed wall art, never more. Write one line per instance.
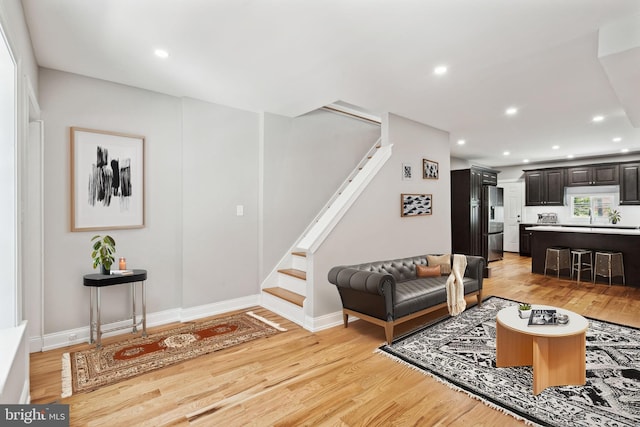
(429, 169)
(107, 180)
(416, 204)
(407, 172)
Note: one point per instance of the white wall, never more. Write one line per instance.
(373, 228)
(220, 172)
(71, 100)
(306, 159)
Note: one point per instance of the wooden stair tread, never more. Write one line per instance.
(299, 274)
(302, 254)
(286, 295)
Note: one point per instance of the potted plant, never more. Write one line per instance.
(524, 309)
(614, 216)
(102, 252)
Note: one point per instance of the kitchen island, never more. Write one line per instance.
(619, 239)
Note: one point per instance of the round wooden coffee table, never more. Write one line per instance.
(556, 352)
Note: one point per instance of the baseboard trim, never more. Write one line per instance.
(281, 308)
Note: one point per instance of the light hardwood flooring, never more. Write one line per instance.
(331, 378)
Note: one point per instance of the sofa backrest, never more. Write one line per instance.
(401, 269)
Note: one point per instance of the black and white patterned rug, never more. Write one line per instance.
(461, 352)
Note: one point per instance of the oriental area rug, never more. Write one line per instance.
(88, 370)
(461, 353)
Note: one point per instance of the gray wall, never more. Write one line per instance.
(220, 172)
(71, 100)
(373, 228)
(305, 160)
(201, 161)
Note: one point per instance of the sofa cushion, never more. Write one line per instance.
(418, 294)
(427, 271)
(444, 261)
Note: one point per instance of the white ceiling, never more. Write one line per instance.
(292, 56)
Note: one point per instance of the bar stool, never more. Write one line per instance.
(609, 264)
(580, 265)
(557, 258)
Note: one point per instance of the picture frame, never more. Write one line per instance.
(416, 204)
(430, 169)
(107, 180)
(407, 172)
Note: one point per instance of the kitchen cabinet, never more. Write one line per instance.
(630, 183)
(544, 187)
(525, 240)
(605, 174)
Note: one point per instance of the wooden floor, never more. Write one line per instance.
(331, 378)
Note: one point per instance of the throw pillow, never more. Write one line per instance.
(427, 271)
(444, 261)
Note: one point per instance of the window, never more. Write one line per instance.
(595, 206)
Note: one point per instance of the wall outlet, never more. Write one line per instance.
(73, 337)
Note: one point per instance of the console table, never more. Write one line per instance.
(97, 281)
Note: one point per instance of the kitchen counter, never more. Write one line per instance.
(619, 239)
(586, 229)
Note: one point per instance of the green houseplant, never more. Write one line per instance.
(614, 216)
(524, 309)
(103, 248)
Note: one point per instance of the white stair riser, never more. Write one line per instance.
(284, 308)
(292, 284)
(299, 262)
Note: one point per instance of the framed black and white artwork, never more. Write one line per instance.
(107, 180)
(416, 204)
(429, 169)
(407, 172)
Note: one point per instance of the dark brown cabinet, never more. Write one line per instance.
(630, 183)
(544, 187)
(606, 174)
(525, 240)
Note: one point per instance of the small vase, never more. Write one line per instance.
(104, 270)
(524, 314)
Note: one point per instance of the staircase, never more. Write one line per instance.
(288, 290)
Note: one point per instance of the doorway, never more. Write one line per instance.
(513, 205)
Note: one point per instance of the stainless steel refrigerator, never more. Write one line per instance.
(492, 220)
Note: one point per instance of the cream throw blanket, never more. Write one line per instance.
(455, 286)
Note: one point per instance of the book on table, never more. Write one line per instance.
(543, 317)
(122, 272)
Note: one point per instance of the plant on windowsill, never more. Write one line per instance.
(614, 216)
(103, 248)
(524, 310)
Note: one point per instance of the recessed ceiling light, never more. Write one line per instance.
(597, 118)
(511, 111)
(461, 142)
(617, 139)
(525, 161)
(161, 53)
(555, 147)
(570, 156)
(624, 150)
(440, 70)
(506, 153)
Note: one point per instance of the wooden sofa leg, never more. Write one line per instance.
(388, 332)
(479, 296)
(345, 319)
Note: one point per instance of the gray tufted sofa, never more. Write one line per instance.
(388, 293)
